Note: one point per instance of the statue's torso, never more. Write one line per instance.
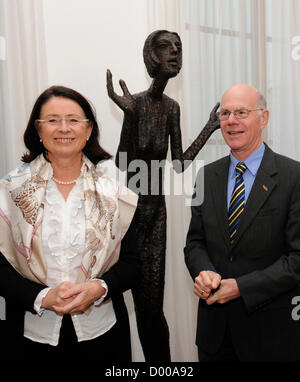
(152, 127)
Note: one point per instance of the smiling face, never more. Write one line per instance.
(168, 49)
(243, 136)
(63, 141)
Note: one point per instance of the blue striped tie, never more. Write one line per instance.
(237, 201)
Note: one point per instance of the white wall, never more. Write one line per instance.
(83, 39)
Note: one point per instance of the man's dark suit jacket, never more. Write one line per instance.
(264, 260)
(20, 294)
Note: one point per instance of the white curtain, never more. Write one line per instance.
(23, 73)
(224, 42)
(250, 41)
(225, 45)
(283, 76)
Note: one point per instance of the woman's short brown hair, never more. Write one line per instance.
(92, 149)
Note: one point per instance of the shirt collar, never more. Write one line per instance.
(252, 162)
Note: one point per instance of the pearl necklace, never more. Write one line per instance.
(61, 182)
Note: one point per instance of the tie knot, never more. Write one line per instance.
(240, 168)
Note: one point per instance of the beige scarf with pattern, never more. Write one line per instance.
(109, 208)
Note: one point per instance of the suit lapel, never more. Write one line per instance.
(219, 192)
(261, 190)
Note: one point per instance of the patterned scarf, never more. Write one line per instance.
(109, 209)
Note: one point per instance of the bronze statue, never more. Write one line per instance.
(150, 118)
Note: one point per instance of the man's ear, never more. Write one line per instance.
(264, 118)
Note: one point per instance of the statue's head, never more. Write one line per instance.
(163, 54)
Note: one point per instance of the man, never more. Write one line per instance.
(243, 250)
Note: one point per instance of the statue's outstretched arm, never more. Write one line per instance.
(181, 160)
(126, 101)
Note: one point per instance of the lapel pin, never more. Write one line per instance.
(265, 187)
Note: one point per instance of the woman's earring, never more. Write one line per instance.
(41, 139)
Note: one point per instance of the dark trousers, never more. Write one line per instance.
(226, 353)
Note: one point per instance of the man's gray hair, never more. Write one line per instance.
(262, 103)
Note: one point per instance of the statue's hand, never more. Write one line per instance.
(125, 102)
(214, 122)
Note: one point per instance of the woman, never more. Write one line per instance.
(62, 222)
(150, 119)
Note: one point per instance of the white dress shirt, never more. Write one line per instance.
(63, 237)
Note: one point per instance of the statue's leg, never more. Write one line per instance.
(148, 297)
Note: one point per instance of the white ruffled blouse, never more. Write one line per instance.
(63, 237)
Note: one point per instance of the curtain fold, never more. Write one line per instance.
(250, 41)
(283, 76)
(23, 73)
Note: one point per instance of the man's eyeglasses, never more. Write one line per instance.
(57, 121)
(239, 113)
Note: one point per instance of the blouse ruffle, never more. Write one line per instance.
(64, 245)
